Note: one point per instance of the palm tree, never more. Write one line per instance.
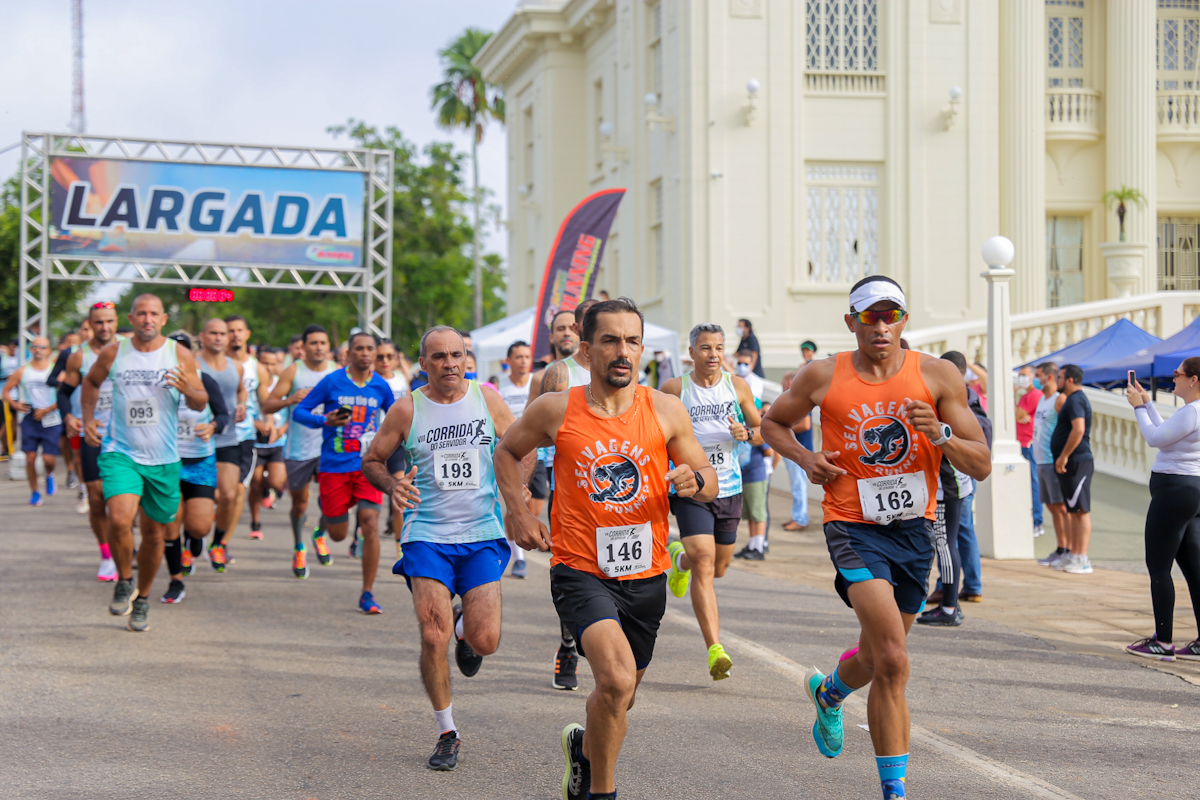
(1121, 197)
(465, 100)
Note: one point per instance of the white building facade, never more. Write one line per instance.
(777, 151)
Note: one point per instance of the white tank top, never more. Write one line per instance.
(515, 397)
(103, 412)
(191, 445)
(245, 429)
(710, 409)
(280, 419)
(145, 411)
(37, 394)
(303, 442)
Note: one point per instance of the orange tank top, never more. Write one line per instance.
(868, 424)
(610, 515)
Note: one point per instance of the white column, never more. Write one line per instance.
(1131, 126)
(1023, 145)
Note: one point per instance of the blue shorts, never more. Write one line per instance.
(33, 434)
(900, 553)
(460, 567)
(202, 472)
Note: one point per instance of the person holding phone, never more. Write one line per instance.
(1173, 519)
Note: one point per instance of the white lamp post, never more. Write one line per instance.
(1003, 510)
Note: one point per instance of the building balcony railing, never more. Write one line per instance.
(1179, 114)
(868, 84)
(1072, 113)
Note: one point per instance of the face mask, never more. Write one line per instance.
(1037, 384)
(743, 369)
(469, 376)
(1023, 381)
(741, 331)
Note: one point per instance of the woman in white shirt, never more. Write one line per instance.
(1173, 520)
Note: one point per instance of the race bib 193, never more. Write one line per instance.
(624, 549)
(887, 499)
(456, 469)
(141, 413)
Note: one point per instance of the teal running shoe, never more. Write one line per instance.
(827, 730)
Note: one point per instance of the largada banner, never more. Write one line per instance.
(149, 210)
(571, 269)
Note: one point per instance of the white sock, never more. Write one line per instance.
(518, 554)
(458, 631)
(756, 542)
(948, 609)
(445, 719)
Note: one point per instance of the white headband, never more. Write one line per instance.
(873, 292)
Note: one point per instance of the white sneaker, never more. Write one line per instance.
(1051, 560)
(1063, 562)
(1038, 531)
(81, 503)
(108, 570)
(1080, 565)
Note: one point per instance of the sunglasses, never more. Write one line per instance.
(891, 316)
(104, 305)
(1179, 374)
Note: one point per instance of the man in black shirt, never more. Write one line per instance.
(749, 344)
(1070, 444)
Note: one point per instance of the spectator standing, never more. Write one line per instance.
(754, 501)
(1028, 398)
(1173, 519)
(808, 351)
(797, 478)
(748, 343)
(1045, 418)
(745, 370)
(1071, 446)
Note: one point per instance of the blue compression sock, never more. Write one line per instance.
(832, 692)
(891, 775)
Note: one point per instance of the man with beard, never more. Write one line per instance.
(248, 428)
(214, 338)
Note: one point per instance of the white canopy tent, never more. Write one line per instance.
(491, 342)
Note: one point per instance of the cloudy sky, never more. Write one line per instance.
(252, 71)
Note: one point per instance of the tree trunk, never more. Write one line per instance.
(478, 259)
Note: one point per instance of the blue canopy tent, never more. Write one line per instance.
(1165, 364)
(1143, 361)
(1119, 340)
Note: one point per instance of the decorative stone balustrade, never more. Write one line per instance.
(1073, 113)
(1117, 445)
(870, 84)
(1179, 113)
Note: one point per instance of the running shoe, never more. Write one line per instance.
(108, 570)
(1039, 531)
(268, 501)
(464, 656)
(322, 548)
(445, 753)
(1189, 652)
(35, 499)
(941, 617)
(186, 562)
(754, 555)
(81, 503)
(1052, 559)
(577, 778)
(1080, 565)
(72, 481)
(679, 578)
(368, 605)
(1150, 647)
(124, 593)
(519, 569)
(50, 488)
(566, 663)
(175, 593)
(216, 558)
(827, 730)
(399, 550)
(970, 597)
(137, 620)
(719, 663)
(353, 551)
(255, 530)
(1063, 562)
(300, 562)
(893, 789)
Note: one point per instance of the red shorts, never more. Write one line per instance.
(340, 490)
(75, 442)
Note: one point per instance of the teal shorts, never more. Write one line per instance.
(158, 486)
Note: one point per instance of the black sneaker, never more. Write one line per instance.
(464, 656)
(445, 754)
(577, 778)
(939, 616)
(175, 593)
(124, 594)
(566, 662)
(754, 555)
(137, 620)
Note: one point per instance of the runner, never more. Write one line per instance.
(887, 416)
(514, 388)
(387, 359)
(103, 319)
(68, 345)
(139, 459)
(197, 480)
(722, 410)
(355, 394)
(231, 456)
(453, 537)
(248, 428)
(41, 422)
(302, 450)
(269, 474)
(609, 529)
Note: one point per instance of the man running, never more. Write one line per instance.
(387, 359)
(214, 340)
(514, 388)
(197, 481)
(353, 396)
(302, 451)
(269, 474)
(139, 458)
(250, 426)
(613, 439)
(453, 537)
(41, 422)
(103, 325)
(887, 416)
(723, 413)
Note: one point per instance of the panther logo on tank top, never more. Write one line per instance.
(615, 478)
(884, 441)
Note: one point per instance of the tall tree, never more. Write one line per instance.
(465, 100)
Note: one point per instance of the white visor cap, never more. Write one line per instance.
(873, 292)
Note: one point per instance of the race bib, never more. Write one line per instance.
(456, 469)
(885, 500)
(52, 419)
(186, 430)
(104, 401)
(625, 549)
(141, 413)
(720, 455)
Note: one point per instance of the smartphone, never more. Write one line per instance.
(1132, 377)
(346, 411)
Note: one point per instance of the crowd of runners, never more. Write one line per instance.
(171, 437)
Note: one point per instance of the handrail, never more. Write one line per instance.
(1073, 107)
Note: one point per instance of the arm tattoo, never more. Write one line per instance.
(553, 377)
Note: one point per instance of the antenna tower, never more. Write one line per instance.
(77, 122)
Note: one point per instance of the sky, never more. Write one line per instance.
(251, 71)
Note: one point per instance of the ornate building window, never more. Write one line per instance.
(1178, 43)
(842, 35)
(1065, 43)
(843, 222)
(1177, 263)
(1064, 261)
(655, 277)
(656, 50)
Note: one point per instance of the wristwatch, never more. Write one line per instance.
(947, 435)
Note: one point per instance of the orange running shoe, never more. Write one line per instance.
(186, 561)
(322, 548)
(300, 562)
(216, 558)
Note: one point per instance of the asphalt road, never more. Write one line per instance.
(262, 686)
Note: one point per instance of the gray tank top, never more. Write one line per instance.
(227, 379)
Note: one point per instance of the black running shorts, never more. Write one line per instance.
(89, 465)
(718, 518)
(269, 455)
(539, 482)
(241, 454)
(637, 605)
(301, 473)
(1076, 485)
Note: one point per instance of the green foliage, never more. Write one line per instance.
(1120, 197)
(464, 99)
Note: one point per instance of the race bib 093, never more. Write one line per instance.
(141, 413)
